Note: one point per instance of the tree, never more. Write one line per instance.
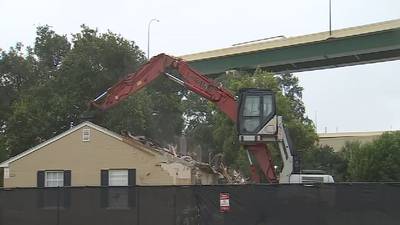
(324, 158)
(375, 161)
(50, 49)
(292, 90)
(67, 78)
(17, 74)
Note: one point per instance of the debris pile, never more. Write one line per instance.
(231, 176)
(216, 166)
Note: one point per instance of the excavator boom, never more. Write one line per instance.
(160, 65)
(163, 64)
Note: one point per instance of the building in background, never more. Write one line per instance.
(338, 140)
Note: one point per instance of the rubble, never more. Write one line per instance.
(216, 166)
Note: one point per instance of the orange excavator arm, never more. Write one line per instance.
(163, 64)
(160, 65)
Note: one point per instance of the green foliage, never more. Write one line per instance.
(17, 73)
(50, 48)
(51, 84)
(324, 158)
(375, 161)
(17, 70)
(218, 133)
(155, 112)
(3, 149)
(372, 162)
(291, 89)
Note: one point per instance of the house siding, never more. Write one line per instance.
(87, 159)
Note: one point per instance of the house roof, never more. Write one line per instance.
(51, 140)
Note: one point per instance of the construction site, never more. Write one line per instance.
(105, 135)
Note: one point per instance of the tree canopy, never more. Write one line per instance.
(324, 158)
(47, 88)
(375, 161)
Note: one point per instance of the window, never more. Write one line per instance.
(118, 178)
(54, 179)
(51, 197)
(86, 134)
(257, 108)
(120, 194)
(252, 106)
(268, 105)
(251, 113)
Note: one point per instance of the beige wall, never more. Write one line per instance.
(208, 178)
(181, 174)
(86, 159)
(338, 140)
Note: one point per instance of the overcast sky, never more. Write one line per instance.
(357, 98)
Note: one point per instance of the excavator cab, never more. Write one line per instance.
(257, 120)
(258, 123)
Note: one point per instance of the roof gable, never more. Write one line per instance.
(51, 140)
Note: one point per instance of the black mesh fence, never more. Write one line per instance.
(325, 204)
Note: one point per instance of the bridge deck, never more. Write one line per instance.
(356, 45)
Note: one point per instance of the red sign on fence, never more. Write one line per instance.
(224, 202)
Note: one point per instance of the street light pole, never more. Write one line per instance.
(330, 18)
(148, 36)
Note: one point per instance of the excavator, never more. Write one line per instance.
(254, 114)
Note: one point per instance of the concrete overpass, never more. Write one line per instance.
(371, 43)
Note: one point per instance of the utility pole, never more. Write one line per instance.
(330, 18)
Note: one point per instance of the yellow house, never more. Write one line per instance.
(90, 155)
